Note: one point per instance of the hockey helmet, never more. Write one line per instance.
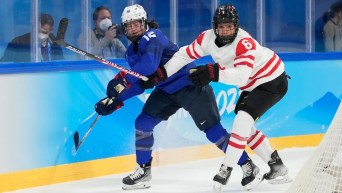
(133, 13)
(226, 14)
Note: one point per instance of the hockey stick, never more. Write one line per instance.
(76, 136)
(77, 141)
(63, 24)
(62, 29)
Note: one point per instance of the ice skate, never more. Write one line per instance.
(278, 171)
(139, 179)
(251, 175)
(222, 177)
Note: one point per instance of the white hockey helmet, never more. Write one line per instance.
(133, 13)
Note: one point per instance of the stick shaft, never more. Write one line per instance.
(63, 24)
(88, 131)
(102, 60)
(78, 144)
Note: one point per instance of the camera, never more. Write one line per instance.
(119, 29)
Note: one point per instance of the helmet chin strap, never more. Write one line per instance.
(224, 40)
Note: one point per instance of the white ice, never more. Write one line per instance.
(191, 177)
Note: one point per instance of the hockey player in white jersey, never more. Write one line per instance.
(257, 71)
(150, 50)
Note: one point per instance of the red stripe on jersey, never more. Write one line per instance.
(269, 73)
(244, 63)
(189, 53)
(238, 146)
(253, 136)
(193, 48)
(200, 38)
(269, 62)
(258, 142)
(244, 56)
(238, 137)
(248, 85)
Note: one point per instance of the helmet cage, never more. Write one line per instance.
(226, 14)
(135, 38)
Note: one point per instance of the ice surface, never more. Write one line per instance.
(191, 177)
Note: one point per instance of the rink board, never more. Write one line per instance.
(120, 164)
(41, 110)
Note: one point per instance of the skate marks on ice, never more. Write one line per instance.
(190, 177)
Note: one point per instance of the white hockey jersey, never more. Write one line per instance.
(244, 62)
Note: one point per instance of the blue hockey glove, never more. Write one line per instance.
(153, 79)
(105, 107)
(117, 85)
(203, 75)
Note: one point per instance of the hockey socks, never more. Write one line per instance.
(220, 137)
(144, 139)
(241, 130)
(260, 145)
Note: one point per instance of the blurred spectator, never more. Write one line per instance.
(332, 30)
(104, 41)
(19, 49)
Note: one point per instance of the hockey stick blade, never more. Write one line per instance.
(60, 42)
(76, 135)
(63, 25)
(53, 38)
(76, 140)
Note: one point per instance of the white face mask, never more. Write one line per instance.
(105, 24)
(43, 38)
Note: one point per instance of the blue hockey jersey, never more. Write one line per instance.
(154, 49)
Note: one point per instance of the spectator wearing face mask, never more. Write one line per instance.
(19, 49)
(332, 30)
(103, 38)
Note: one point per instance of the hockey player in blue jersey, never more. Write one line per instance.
(147, 54)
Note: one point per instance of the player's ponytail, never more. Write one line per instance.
(153, 24)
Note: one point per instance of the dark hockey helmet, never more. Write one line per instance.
(226, 14)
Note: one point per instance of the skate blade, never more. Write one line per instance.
(140, 185)
(280, 180)
(217, 186)
(258, 179)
